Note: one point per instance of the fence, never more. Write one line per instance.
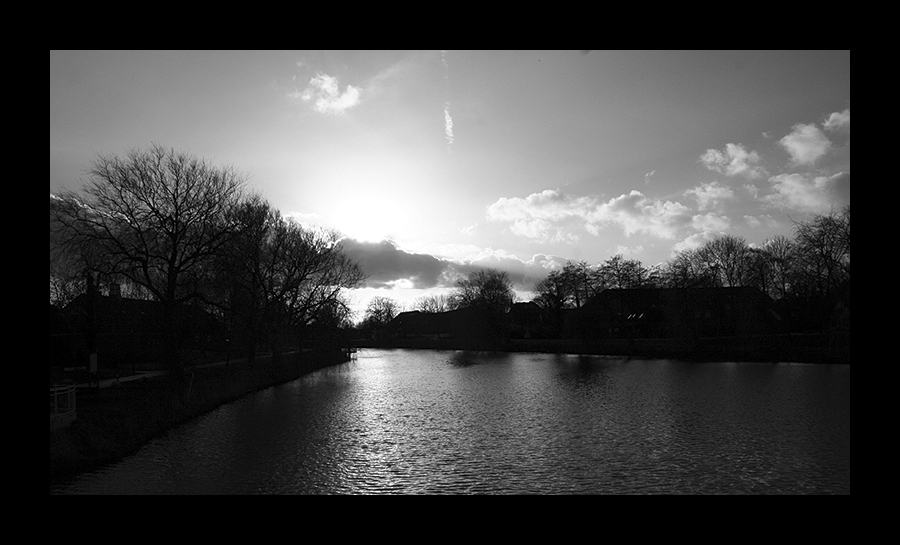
(62, 405)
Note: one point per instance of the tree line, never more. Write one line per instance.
(810, 271)
(487, 290)
(815, 263)
(170, 227)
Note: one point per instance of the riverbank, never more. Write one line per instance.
(115, 422)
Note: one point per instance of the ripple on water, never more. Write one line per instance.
(439, 422)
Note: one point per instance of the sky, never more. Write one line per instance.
(433, 164)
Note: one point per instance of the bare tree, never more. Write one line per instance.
(282, 277)
(432, 303)
(487, 295)
(569, 287)
(551, 292)
(823, 251)
(315, 273)
(780, 256)
(728, 257)
(618, 272)
(158, 217)
(487, 289)
(688, 269)
(380, 311)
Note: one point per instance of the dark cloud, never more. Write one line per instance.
(384, 263)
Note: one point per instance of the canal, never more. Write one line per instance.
(455, 422)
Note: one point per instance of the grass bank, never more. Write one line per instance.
(115, 422)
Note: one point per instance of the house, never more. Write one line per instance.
(452, 324)
(676, 313)
(121, 329)
(529, 321)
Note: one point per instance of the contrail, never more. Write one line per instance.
(448, 125)
(448, 120)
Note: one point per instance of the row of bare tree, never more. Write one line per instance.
(813, 264)
(172, 228)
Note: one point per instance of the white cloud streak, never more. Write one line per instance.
(448, 124)
(448, 120)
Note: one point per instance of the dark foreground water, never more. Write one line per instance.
(449, 422)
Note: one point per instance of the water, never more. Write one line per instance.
(449, 422)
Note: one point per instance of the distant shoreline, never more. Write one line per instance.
(768, 348)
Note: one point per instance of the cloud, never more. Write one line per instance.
(693, 242)
(806, 144)
(710, 223)
(386, 265)
(760, 221)
(545, 215)
(309, 220)
(532, 228)
(390, 267)
(838, 121)
(815, 194)
(550, 204)
(711, 194)
(628, 251)
(735, 160)
(635, 213)
(538, 216)
(323, 90)
(524, 274)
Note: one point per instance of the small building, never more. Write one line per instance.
(528, 321)
(676, 313)
(452, 324)
(119, 329)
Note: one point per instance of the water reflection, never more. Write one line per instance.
(448, 422)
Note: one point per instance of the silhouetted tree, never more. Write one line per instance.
(282, 276)
(569, 287)
(488, 294)
(380, 311)
(158, 217)
(618, 272)
(582, 281)
(432, 303)
(552, 293)
(68, 268)
(688, 269)
(780, 255)
(485, 289)
(823, 253)
(728, 257)
(314, 274)
(247, 270)
(331, 323)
